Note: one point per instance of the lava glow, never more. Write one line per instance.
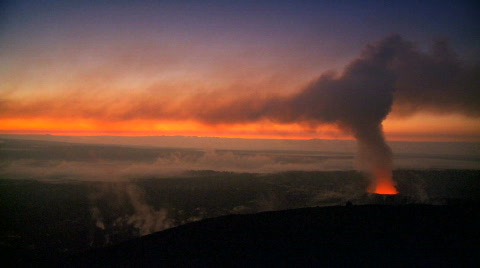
(385, 186)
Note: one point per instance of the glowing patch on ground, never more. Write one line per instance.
(385, 187)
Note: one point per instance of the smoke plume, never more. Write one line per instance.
(357, 101)
(392, 72)
(390, 75)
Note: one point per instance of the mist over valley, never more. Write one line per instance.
(69, 197)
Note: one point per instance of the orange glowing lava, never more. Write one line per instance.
(385, 187)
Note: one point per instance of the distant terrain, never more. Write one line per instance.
(59, 199)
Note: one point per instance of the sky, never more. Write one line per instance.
(248, 69)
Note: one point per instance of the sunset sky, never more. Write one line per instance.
(250, 69)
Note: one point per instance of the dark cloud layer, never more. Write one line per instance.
(390, 73)
(391, 70)
(358, 100)
(437, 81)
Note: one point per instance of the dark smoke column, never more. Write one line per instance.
(375, 159)
(374, 83)
(357, 101)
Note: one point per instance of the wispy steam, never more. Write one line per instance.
(124, 204)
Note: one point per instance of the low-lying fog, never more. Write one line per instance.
(76, 193)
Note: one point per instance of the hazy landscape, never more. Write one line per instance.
(163, 132)
(68, 197)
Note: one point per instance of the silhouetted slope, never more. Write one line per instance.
(333, 236)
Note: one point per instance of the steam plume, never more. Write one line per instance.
(358, 101)
(361, 97)
(390, 74)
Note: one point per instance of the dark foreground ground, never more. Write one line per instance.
(378, 235)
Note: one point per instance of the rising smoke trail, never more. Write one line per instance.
(392, 71)
(357, 101)
(391, 74)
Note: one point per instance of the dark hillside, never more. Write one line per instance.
(379, 235)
